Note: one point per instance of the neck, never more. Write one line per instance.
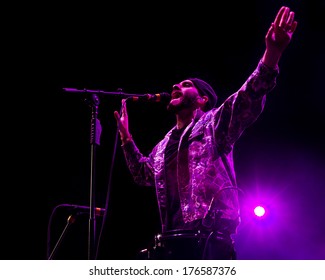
(184, 117)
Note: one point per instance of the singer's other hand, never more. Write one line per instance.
(123, 123)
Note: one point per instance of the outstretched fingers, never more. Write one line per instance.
(285, 20)
(278, 18)
(122, 115)
(292, 24)
(124, 111)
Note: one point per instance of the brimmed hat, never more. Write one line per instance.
(205, 89)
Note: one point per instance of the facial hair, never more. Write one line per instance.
(186, 103)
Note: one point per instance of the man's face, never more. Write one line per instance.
(184, 96)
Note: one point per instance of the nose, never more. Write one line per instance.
(176, 86)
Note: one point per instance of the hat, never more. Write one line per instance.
(205, 89)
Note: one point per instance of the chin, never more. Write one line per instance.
(171, 107)
(175, 108)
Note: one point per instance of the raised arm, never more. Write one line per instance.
(279, 36)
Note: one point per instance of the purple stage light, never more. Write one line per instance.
(259, 211)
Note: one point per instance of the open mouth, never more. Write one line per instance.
(176, 94)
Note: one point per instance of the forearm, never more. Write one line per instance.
(271, 59)
(242, 109)
(138, 165)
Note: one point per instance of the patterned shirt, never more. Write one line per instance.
(210, 174)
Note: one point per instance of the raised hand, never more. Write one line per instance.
(123, 123)
(279, 36)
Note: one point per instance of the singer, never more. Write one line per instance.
(192, 167)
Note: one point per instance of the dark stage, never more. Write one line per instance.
(279, 160)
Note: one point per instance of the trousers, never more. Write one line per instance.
(190, 245)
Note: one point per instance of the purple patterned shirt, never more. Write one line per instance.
(210, 153)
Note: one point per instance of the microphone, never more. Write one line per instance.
(85, 209)
(157, 97)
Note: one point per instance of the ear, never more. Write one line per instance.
(202, 100)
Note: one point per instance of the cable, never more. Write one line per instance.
(212, 215)
(48, 238)
(108, 189)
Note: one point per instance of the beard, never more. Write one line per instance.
(186, 103)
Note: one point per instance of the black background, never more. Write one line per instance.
(146, 48)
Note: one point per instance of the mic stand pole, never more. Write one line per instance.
(95, 130)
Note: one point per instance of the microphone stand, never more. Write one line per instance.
(119, 93)
(95, 130)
